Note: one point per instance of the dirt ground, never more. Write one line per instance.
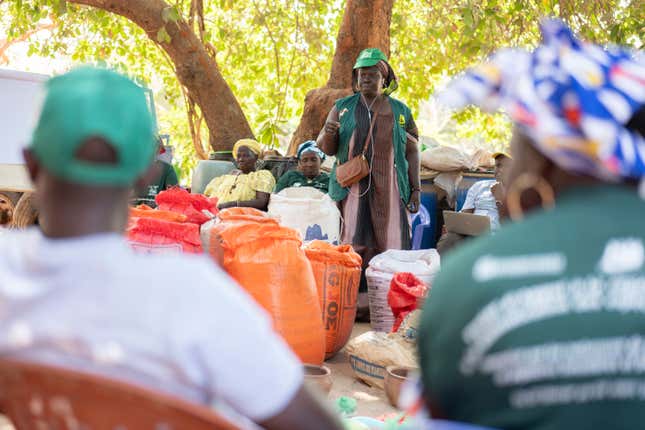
(371, 402)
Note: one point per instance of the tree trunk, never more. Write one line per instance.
(195, 69)
(366, 24)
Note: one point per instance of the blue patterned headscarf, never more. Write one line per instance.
(571, 98)
(310, 146)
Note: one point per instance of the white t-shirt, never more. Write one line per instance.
(175, 324)
(481, 199)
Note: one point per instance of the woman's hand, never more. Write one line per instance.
(331, 127)
(226, 205)
(413, 204)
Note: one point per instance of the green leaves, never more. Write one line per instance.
(269, 133)
(273, 52)
(163, 36)
(170, 14)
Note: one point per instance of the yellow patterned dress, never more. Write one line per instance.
(240, 187)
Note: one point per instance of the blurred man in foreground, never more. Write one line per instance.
(73, 294)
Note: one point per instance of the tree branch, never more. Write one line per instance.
(194, 67)
(5, 44)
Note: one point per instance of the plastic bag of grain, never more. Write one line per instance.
(371, 352)
(424, 264)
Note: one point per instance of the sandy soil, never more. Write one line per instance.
(371, 402)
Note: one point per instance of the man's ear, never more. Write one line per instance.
(149, 176)
(33, 166)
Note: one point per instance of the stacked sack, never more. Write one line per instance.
(197, 207)
(267, 260)
(173, 226)
(372, 352)
(424, 264)
(313, 213)
(337, 270)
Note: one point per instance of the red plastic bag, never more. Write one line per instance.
(406, 294)
(181, 201)
(162, 234)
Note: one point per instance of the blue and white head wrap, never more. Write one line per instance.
(310, 146)
(572, 98)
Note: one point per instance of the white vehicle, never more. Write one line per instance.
(21, 96)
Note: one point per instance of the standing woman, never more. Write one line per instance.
(373, 125)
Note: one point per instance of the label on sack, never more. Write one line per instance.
(366, 368)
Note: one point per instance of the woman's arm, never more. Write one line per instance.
(412, 155)
(262, 182)
(261, 202)
(328, 138)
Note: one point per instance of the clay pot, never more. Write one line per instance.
(395, 377)
(318, 377)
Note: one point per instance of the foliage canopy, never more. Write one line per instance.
(272, 52)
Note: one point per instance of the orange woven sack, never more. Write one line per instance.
(337, 270)
(224, 220)
(266, 259)
(145, 211)
(236, 211)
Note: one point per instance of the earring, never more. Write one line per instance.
(524, 182)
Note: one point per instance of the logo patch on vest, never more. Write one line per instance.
(342, 112)
(401, 119)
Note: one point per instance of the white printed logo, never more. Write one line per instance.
(488, 267)
(622, 256)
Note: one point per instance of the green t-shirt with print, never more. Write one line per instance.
(542, 326)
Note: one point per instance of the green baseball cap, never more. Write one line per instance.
(93, 102)
(369, 57)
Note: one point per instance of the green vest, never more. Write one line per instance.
(402, 116)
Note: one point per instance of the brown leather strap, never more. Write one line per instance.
(369, 133)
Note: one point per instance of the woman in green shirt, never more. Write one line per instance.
(542, 325)
(310, 158)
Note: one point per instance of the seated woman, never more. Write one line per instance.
(310, 158)
(550, 305)
(246, 187)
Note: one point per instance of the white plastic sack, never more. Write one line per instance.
(371, 352)
(483, 159)
(445, 159)
(311, 212)
(449, 182)
(424, 264)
